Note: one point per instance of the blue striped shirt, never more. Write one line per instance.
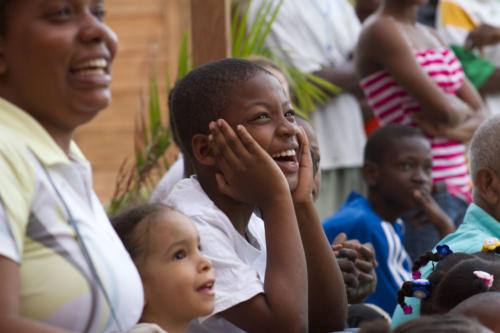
(357, 220)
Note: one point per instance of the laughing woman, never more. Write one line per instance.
(62, 267)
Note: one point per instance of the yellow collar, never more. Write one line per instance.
(20, 127)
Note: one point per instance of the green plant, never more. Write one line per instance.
(152, 138)
(153, 135)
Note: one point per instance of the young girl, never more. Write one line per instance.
(178, 281)
(456, 277)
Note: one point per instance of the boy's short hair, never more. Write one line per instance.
(382, 140)
(484, 152)
(204, 93)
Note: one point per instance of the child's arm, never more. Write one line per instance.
(249, 174)
(327, 295)
(432, 214)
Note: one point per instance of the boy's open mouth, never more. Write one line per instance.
(287, 161)
(285, 156)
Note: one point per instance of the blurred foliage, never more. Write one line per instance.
(152, 137)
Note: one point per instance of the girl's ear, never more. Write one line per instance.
(201, 150)
(487, 184)
(370, 173)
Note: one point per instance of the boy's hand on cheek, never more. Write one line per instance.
(247, 172)
(430, 213)
(303, 191)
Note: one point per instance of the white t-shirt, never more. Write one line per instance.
(169, 179)
(239, 265)
(310, 35)
(455, 20)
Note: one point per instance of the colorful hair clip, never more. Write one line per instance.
(490, 244)
(407, 309)
(421, 288)
(444, 249)
(485, 276)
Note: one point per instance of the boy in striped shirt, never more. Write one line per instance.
(397, 169)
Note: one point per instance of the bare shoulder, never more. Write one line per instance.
(434, 34)
(378, 28)
(380, 40)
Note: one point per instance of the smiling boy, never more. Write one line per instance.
(397, 170)
(277, 274)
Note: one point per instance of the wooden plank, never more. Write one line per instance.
(210, 26)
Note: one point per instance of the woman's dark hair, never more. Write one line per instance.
(425, 258)
(456, 285)
(452, 280)
(127, 222)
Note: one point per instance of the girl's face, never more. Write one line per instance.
(178, 280)
(56, 60)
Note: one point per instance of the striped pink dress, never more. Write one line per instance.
(392, 104)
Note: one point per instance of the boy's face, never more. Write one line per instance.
(405, 168)
(261, 106)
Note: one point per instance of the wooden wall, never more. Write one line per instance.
(150, 33)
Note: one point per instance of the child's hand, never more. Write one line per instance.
(357, 262)
(303, 191)
(247, 173)
(430, 212)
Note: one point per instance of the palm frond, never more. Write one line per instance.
(152, 138)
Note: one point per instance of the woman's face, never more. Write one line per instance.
(56, 58)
